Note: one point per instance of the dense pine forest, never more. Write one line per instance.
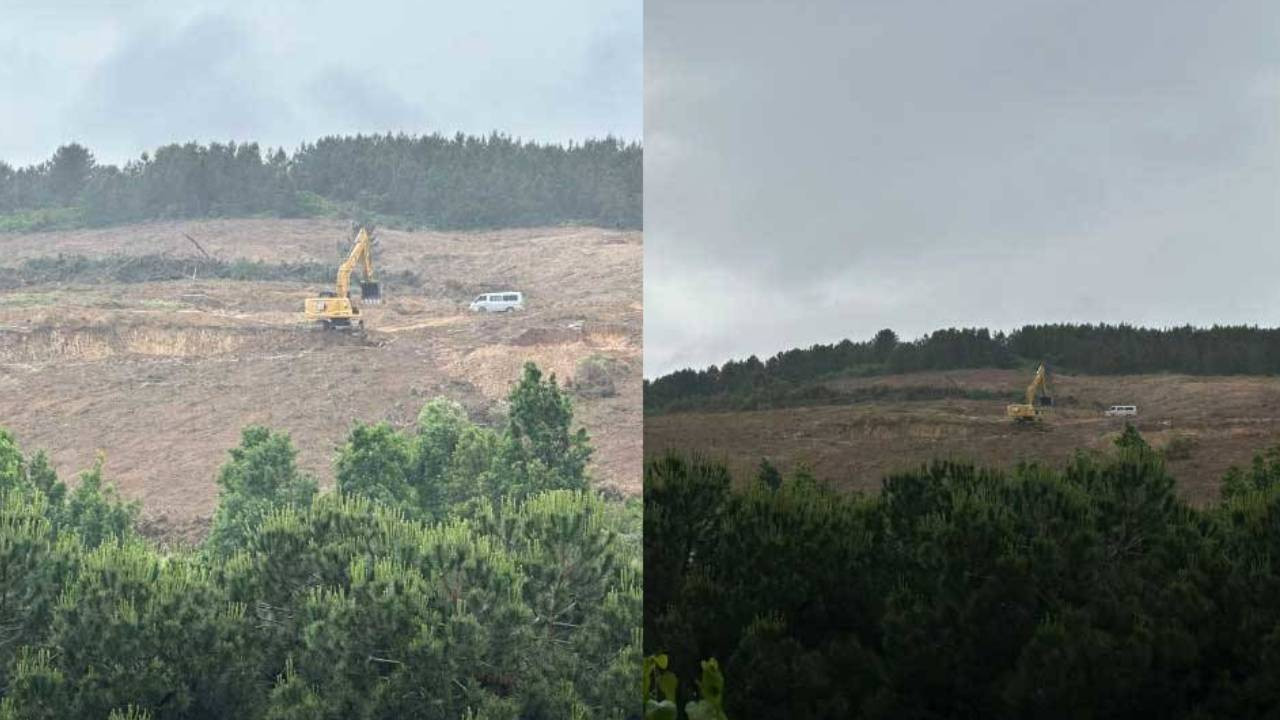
(1089, 590)
(430, 181)
(1088, 349)
(455, 571)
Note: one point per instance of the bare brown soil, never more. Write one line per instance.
(1215, 422)
(161, 377)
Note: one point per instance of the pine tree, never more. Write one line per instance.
(539, 428)
(377, 462)
(261, 474)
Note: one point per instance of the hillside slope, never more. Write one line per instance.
(161, 376)
(1213, 422)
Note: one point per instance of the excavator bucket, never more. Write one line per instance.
(371, 292)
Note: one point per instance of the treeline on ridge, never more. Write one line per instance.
(1089, 349)
(1090, 590)
(409, 180)
(457, 570)
(157, 267)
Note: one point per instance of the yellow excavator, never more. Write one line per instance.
(1038, 398)
(335, 309)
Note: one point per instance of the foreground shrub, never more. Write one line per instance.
(1090, 590)
(496, 599)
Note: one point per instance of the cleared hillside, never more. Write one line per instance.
(1211, 421)
(161, 376)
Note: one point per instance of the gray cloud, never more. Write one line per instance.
(609, 72)
(125, 77)
(822, 171)
(349, 100)
(203, 80)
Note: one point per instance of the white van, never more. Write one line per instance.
(1118, 410)
(505, 301)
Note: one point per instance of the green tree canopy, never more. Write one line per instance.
(424, 587)
(1090, 590)
(540, 426)
(260, 475)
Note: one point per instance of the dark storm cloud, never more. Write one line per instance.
(820, 171)
(124, 77)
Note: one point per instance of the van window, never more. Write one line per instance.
(510, 298)
(480, 299)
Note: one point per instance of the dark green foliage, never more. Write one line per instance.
(69, 171)
(260, 476)
(1086, 591)
(42, 477)
(386, 598)
(133, 627)
(548, 452)
(436, 476)
(883, 344)
(768, 475)
(376, 462)
(153, 268)
(96, 511)
(796, 377)
(683, 502)
(34, 563)
(479, 467)
(12, 465)
(428, 180)
(383, 617)
(785, 394)
(1262, 476)
(93, 510)
(1120, 349)
(1131, 440)
(527, 608)
(584, 591)
(453, 461)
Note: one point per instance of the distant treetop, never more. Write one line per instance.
(457, 182)
(1091, 349)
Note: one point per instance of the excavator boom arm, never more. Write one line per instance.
(1038, 385)
(337, 309)
(1038, 394)
(358, 252)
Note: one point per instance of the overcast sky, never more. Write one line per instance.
(124, 77)
(821, 170)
